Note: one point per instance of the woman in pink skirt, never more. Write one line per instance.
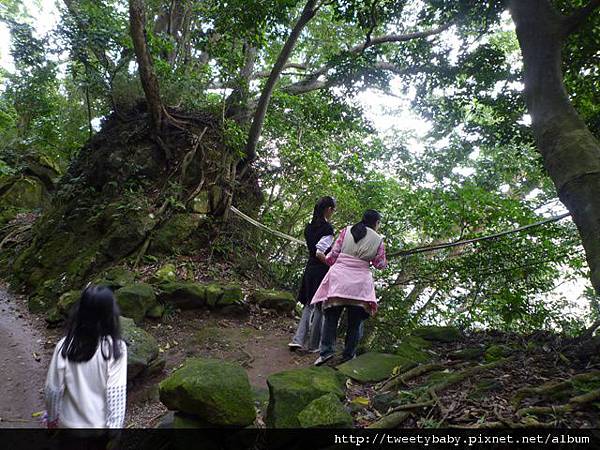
(349, 283)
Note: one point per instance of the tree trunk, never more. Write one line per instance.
(571, 153)
(308, 13)
(144, 59)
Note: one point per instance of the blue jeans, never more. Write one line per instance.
(356, 316)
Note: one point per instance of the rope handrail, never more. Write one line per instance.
(430, 248)
(415, 250)
(264, 227)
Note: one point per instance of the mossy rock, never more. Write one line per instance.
(24, 193)
(372, 367)
(135, 300)
(278, 300)
(232, 295)
(183, 294)
(292, 390)
(165, 274)
(495, 352)
(67, 300)
(115, 278)
(216, 391)
(468, 354)
(174, 233)
(416, 342)
(54, 318)
(156, 311)
(142, 348)
(412, 350)
(438, 334)
(189, 421)
(383, 400)
(213, 293)
(326, 411)
(127, 232)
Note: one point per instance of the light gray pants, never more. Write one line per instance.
(308, 334)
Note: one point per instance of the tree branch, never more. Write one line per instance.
(312, 84)
(312, 81)
(579, 16)
(144, 59)
(309, 11)
(266, 73)
(387, 38)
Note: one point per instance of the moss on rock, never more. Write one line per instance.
(213, 294)
(183, 294)
(412, 350)
(292, 390)
(216, 391)
(468, 354)
(326, 411)
(495, 352)
(174, 233)
(232, 294)
(372, 366)
(135, 300)
(23, 193)
(142, 348)
(439, 334)
(279, 300)
(115, 278)
(66, 301)
(165, 274)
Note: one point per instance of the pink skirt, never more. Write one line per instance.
(349, 278)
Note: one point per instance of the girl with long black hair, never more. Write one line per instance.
(319, 238)
(349, 283)
(87, 377)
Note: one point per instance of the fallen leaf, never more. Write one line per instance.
(361, 401)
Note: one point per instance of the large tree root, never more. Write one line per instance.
(409, 375)
(549, 389)
(398, 415)
(574, 404)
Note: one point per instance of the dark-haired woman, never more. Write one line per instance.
(319, 238)
(349, 283)
(87, 377)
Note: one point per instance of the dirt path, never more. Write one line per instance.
(22, 364)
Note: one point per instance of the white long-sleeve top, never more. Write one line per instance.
(90, 394)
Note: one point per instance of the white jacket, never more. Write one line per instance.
(90, 394)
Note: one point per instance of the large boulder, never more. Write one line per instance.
(115, 278)
(279, 300)
(326, 411)
(372, 367)
(135, 300)
(165, 274)
(292, 390)
(66, 301)
(183, 294)
(215, 391)
(439, 334)
(174, 233)
(23, 193)
(142, 350)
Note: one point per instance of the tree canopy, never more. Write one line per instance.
(283, 77)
